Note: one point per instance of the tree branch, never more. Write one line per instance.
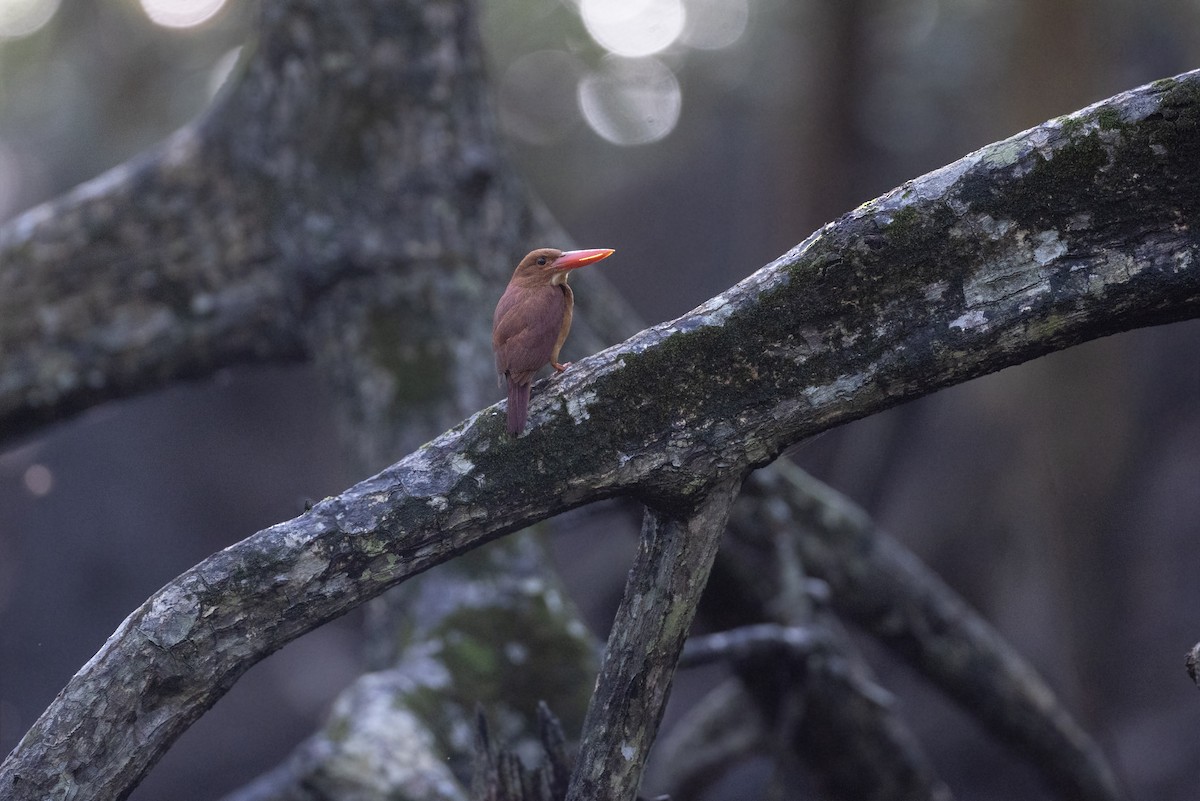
(882, 587)
(178, 283)
(351, 144)
(753, 642)
(651, 625)
(1073, 230)
(372, 747)
(715, 733)
(824, 701)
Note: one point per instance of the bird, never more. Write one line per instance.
(532, 320)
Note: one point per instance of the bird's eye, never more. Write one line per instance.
(541, 261)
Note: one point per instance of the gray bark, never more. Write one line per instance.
(652, 623)
(1073, 230)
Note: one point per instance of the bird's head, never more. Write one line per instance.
(548, 266)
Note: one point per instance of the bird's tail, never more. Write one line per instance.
(518, 407)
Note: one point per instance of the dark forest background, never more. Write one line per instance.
(1062, 498)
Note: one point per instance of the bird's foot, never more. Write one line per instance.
(558, 368)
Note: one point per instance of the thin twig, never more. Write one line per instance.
(760, 641)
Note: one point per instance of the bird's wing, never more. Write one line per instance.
(526, 328)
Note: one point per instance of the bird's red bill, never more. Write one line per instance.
(578, 258)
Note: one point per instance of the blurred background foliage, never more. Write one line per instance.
(701, 139)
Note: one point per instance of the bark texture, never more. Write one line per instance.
(959, 273)
(652, 623)
(223, 245)
(344, 201)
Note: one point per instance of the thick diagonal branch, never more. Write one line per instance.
(1071, 231)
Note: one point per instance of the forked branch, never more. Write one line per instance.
(1080, 228)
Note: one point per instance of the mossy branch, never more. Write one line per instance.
(352, 145)
(1079, 228)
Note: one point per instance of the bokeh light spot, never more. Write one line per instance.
(181, 13)
(714, 24)
(38, 480)
(630, 101)
(537, 96)
(20, 18)
(633, 27)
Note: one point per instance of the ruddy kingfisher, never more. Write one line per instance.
(532, 321)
